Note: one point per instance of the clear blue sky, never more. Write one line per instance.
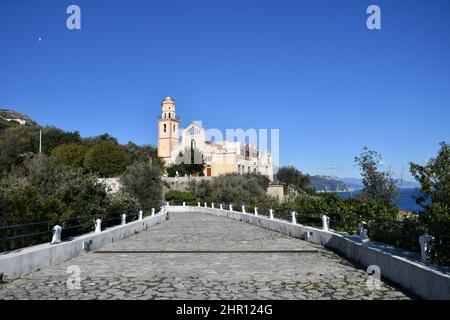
(310, 68)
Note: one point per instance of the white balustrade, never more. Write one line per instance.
(424, 241)
(57, 231)
(98, 226)
(325, 223)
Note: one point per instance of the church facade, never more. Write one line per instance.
(220, 157)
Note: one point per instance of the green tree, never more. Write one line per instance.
(378, 185)
(292, 178)
(16, 144)
(178, 197)
(434, 178)
(142, 181)
(229, 188)
(192, 161)
(53, 137)
(172, 170)
(92, 141)
(71, 154)
(107, 159)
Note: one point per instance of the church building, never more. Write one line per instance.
(220, 157)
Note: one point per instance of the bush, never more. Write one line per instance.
(178, 197)
(172, 170)
(434, 179)
(107, 159)
(230, 188)
(70, 154)
(142, 181)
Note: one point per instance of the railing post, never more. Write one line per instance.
(221, 206)
(168, 204)
(243, 209)
(325, 223)
(212, 205)
(271, 214)
(153, 212)
(294, 218)
(124, 218)
(141, 215)
(57, 230)
(424, 241)
(363, 232)
(256, 211)
(198, 204)
(98, 226)
(206, 205)
(231, 207)
(184, 204)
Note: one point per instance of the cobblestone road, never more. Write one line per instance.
(310, 272)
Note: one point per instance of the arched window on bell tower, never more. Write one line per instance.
(164, 127)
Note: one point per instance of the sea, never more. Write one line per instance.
(405, 201)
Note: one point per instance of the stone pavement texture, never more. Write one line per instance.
(311, 272)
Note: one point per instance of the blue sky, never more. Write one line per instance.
(309, 68)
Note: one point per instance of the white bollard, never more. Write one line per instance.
(212, 205)
(206, 205)
(153, 212)
(243, 209)
(184, 204)
(168, 204)
(141, 215)
(424, 241)
(198, 204)
(231, 207)
(294, 219)
(124, 218)
(271, 214)
(256, 211)
(221, 206)
(363, 234)
(325, 221)
(57, 230)
(98, 226)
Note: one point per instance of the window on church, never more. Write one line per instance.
(170, 115)
(173, 128)
(164, 128)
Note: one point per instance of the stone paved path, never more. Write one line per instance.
(312, 273)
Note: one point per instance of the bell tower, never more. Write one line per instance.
(168, 129)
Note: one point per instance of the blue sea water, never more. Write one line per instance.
(405, 200)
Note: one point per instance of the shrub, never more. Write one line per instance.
(178, 197)
(142, 181)
(107, 159)
(70, 154)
